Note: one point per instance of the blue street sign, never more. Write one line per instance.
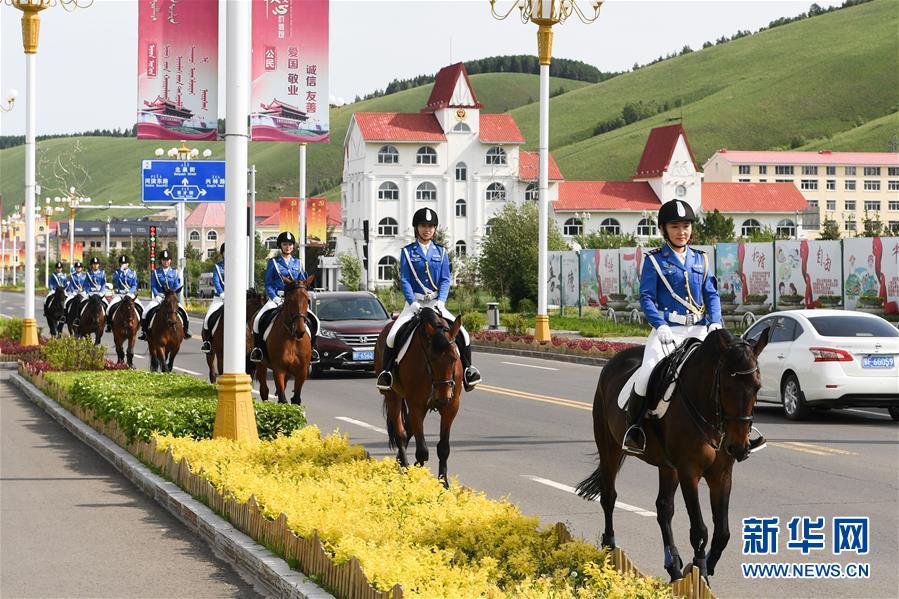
(172, 181)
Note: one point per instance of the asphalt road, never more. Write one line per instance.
(526, 434)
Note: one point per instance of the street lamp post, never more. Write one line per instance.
(73, 201)
(545, 14)
(3, 230)
(48, 212)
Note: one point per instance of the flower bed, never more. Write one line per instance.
(598, 348)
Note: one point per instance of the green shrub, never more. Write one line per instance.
(474, 321)
(11, 328)
(516, 324)
(72, 353)
(527, 306)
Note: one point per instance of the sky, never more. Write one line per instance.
(87, 59)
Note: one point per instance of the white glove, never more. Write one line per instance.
(714, 326)
(441, 306)
(416, 307)
(665, 334)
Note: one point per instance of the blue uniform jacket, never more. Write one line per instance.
(657, 302)
(433, 271)
(124, 281)
(277, 268)
(77, 282)
(95, 281)
(218, 278)
(58, 279)
(163, 279)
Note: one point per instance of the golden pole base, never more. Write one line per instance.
(29, 332)
(234, 417)
(541, 328)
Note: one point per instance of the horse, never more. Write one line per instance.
(217, 355)
(292, 345)
(429, 377)
(166, 333)
(125, 326)
(92, 319)
(705, 429)
(54, 311)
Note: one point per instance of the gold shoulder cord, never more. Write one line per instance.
(428, 271)
(696, 308)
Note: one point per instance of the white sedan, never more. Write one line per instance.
(828, 359)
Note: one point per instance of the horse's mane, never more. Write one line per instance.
(439, 341)
(737, 354)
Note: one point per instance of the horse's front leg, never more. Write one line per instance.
(210, 364)
(699, 534)
(280, 384)
(396, 429)
(170, 362)
(416, 423)
(262, 377)
(119, 349)
(298, 382)
(447, 415)
(664, 513)
(719, 481)
(130, 354)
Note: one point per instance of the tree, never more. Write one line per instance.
(712, 228)
(603, 240)
(872, 226)
(350, 271)
(830, 230)
(508, 256)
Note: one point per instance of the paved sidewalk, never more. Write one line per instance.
(72, 526)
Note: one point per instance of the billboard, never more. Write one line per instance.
(289, 216)
(745, 270)
(871, 270)
(316, 221)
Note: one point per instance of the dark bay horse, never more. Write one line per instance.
(705, 429)
(55, 312)
(429, 377)
(125, 325)
(166, 333)
(92, 320)
(289, 346)
(216, 358)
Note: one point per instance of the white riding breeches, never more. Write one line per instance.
(216, 303)
(118, 297)
(656, 350)
(408, 313)
(274, 303)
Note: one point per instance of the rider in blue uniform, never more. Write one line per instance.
(425, 281)
(679, 298)
(163, 278)
(77, 288)
(124, 282)
(280, 268)
(57, 279)
(218, 281)
(92, 282)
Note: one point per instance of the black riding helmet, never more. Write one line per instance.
(165, 255)
(123, 259)
(58, 265)
(674, 211)
(78, 264)
(424, 216)
(286, 237)
(222, 250)
(95, 260)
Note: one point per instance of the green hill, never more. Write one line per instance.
(114, 163)
(873, 136)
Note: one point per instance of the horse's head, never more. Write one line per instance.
(169, 306)
(296, 303)
(59, 297)
(442, 354)
(737, 383)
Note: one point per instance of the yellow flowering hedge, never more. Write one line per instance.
(404, 527)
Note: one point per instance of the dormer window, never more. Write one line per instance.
(461, 128)
(496, 156)
(388, 155)
(426, 155)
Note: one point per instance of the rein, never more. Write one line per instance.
(429, 354)
(291, 323)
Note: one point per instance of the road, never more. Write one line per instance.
(526, 434)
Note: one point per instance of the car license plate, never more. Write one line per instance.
(878, 362)
(363, 356)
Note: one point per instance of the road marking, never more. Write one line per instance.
(882, 415)
(561, 401)
(370, 427)
(563, 487)
(185, 370)
(529, 365)
(811, 448)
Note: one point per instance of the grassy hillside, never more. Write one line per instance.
(114, 163)
(873, 136)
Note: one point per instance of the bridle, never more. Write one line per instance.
(429, 354)
(171, 298)
(291, 323)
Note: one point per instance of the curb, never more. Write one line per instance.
(268, 573)
(527, 353)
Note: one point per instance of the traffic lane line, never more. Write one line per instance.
(881, 415)
(810, 448)
(569, 489)
(366, 425)
(529, 365)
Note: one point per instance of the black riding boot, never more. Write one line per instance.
(109, 314)
(145, 325)
(258, 342)
(385, 378)
(185, 322)
(471, 376)
(207, 343)
(316, 358)
(635, 439)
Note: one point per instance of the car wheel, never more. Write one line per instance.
(894, 412)
(791, 396)
(316, 371)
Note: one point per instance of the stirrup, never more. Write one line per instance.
(316, 358)
(385, 381)
(142, 336)
(638, 444)
(76, 322)
(470, 378)
(206, 347)
(759, 443)
(256, 355)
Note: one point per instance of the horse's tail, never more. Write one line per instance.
(392, 441)
(590, 487)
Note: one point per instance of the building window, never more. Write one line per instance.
(488, 228)
(850, 205)
(849, 184)
(272, 242)
(831, 185)
(461, 128)
(831, 171)
(763, 169)
(195, 236)
(850, 223)
(809, 170)
(849, 171)
(426, 191)
(126, 245)
(893, 185)
(831, 205)
(646, 227)
(610, 226)
(210, 253)
(872, 185)
(460, 208)
(496, 156)
(783, 169)
(893, 226)
(112, 244)
(426, 155)
(872, 205)
(893, 171)
(573, 226)
(388, 227)
(461, 172)
(783, 180)
(763, 180)
(744, 169)
(742, 180)
(872, 171)
(96, 244)
(388, 191)
(461, 249)
(388, 155)
(749, 227)
(894, 205)
(809, 184)
(532, 192)
(786, 228)
(212, 236)
(496, 192)
(386, 268)
(813, 204)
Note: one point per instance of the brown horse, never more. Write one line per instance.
(428, 378)
(705, 428)
(216, 358)
(92, 318)
(125, 326)
(289, 346)
(166, 333)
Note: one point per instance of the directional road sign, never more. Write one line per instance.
(172, 181)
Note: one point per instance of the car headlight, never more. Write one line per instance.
(327, 333)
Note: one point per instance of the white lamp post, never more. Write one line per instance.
(48, 212)
(3, 231)
(72, 201)
(545, 14)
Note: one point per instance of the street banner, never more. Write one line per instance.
(289, 100)
(289, 215)
(177, 69)
(570, 287)
(64, 251)
(554, 279)
(870, 271)
(631, 261)
(316, 221)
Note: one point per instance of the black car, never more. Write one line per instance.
(350, 324)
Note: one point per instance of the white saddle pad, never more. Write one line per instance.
(402, 352)
(662, 407)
